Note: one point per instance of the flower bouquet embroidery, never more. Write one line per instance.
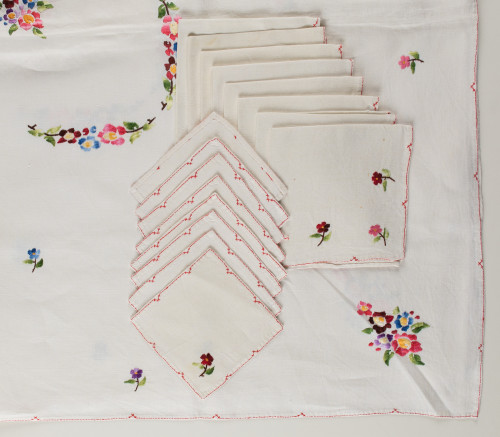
(396, 341)
(24, 15)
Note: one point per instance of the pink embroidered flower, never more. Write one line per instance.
(404, 62)
(171, 26)
(169, 51)
(111, 134)
(375, 230)
(364, 308)
(29, 19)
(405, 343)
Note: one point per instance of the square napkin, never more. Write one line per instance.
(156, 275)
(269, 70)
(297, 86)
(248, 107)
(216, 186)
(214, 126)
(348, 192)
(208, 220)
(207, 313)
(216, 165)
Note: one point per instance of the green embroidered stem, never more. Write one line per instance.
(150, 121)
(44, 133)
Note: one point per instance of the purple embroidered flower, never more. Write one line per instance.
(383, 341)
(11, 16)
(136, 373)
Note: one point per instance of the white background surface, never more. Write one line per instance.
(488, 423)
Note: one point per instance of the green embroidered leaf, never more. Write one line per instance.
(196, 364)
(387, 357)
(415, 55)
(28, 261)
(54, 130)
(129, 381)
(315, 236)
(386, 172)
(143, 381)
(39, 33)
(39, 264)
(51, 140)
(210, 371)
(396, 311)
(367, 330)
(384, 185)
(167, 85)
(162, 11)
(415, 359)
(48, 6)
(129, 125)
(172, 6)
(386, 233)
(174, 90)
(134, 136)
(36, 132)
(412, 66)
(170, 102)
(147, 126)
(13, 28)
(328, 236)
(417, 327)
(377, 239)
(40, 3)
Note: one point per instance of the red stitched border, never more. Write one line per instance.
(354, 259)
(255, 299)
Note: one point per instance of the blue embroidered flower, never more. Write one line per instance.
(88, 143)
(175, 47)
(31, 5)
(404, 321)
(34, 254)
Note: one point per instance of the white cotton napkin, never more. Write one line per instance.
(212, 101)
(218, 187)
(348, 192)
(201, 155)
(248, 107)
(214, 126)
(191, 224)
(216, 165)
(206, 312)
(297, 86)
(188, 246)
(265, 121)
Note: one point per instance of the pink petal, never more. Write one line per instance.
(166, 29)
(121, 130)
(167, 19)
(118, 142)
(109, 128)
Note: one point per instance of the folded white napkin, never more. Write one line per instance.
(182, 252)
(216, 165)
(296, 86)
(206, 324)
(266, 71)
(218, 186)
(209, 220)
(195, 36)
(248, 107)
(348, 192)
(265, 121)
(214, 126)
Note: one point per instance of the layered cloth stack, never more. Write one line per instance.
(291, 248)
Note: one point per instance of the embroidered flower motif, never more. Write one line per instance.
(10, 3)
(168, 45)
(379, 178)
(89, 142)
(24, 16)
(70, 135)
(364, 308)
(171, 26)
(10, 16)
(206, 362)
(398, 341)
(29, 19)
(407, 62)
(321, 232)
(34, 254)
(378, 233)
(112, 135)
(171, 68)
(136, 374)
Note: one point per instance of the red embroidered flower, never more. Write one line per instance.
(364, 308)
(70, 135)
(207, 360)
(380, 321)
(168, 45)
(377, 178)
(405, 343)
(322, 227)
(171, 26)
(171, 68)
(10, 3)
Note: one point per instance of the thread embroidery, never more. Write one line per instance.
(321, 232)
(34, 254)
(136, 374)
(410, 62)
(206, 362)
(25, 16)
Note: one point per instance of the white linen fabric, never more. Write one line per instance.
(197, 35)
(67, 340)
(299, 86)
(186, 310)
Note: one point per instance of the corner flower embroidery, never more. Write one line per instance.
(406, 61)
(398, 341)
(206, 362)
(382, 178)
(34, 254)
(136, 374)
(25, 16)
(379, 233)
(321, 232)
